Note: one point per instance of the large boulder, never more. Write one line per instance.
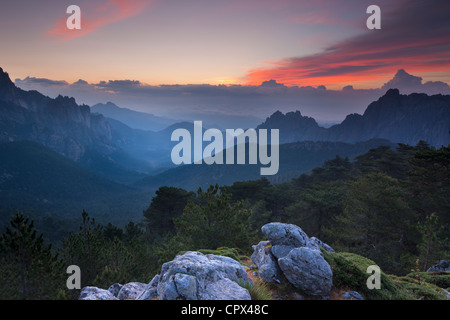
(196, 276)
(115, 289)
(306, 269)
(443, 265)
(285, 234)
(150, 291)
(266, 263)
(94, 293)
(131, 290)
(289, 252)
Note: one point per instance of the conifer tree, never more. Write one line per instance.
(214, 222)
(29, 269)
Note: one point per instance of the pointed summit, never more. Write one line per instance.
(7, 87)
(4, 77)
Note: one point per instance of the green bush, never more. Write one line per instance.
(440, 279)
(349, 272)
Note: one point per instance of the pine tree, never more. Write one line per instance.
(433, 244)
(376, 221)
(167, 205)
(29, 268)
(214, 222)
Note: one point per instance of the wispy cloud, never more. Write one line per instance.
(238, 104)
(104, 12)
(416, 36)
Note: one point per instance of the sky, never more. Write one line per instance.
(229, 59)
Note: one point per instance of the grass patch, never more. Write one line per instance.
(418, 289)
(440, 279)
(258, 290)
(349, 271)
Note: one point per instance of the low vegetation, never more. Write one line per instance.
(387, 207)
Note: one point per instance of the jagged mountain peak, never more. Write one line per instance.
(7, 87)
(394, 116)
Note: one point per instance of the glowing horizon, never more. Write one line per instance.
(174, 42)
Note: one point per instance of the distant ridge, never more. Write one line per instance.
(395, 117)
(133, 119)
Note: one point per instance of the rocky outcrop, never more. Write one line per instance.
(131, 290)
(195, 276)
(94, 293)
(190, 276)
(267, 264)
(285, 234)
(307, 270)
(352, 295)
(291, 254)
(288, 254)
(443, 265)
(150, 291)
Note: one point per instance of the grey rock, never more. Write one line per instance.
(168, 291)
(115, 288)
(94, 293)
(320, 244)
(447, 294)
(131, 290)
(295, 296)
(154, 281)
(306, 269)
(186, 286)
(225, 289)
(281, 250)
(150, 292)
(443, 265)
(266, 263)
(352, 295)
(194, 275)
(285, 234)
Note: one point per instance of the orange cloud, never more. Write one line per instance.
(416, 37)
(108, 11)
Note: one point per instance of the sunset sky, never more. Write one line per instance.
(235, 42)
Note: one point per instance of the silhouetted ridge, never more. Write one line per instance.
(395, 117)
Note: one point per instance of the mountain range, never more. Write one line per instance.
(395, 117)
(134, 119)
(61, 156)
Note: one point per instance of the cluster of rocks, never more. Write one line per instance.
(190, 276)
(443, 265)
(290, 254)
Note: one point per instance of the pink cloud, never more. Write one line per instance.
(416, 37)
(106, 12)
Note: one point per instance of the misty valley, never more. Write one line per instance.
(214, 153)
(119, 192)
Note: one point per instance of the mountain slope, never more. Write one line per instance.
(399, 118)
(295, 158)
(67, 128)
(133, 119)
(395, 117)
(37, 179)
(59, 124)
(38, 173)
(294, 127)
